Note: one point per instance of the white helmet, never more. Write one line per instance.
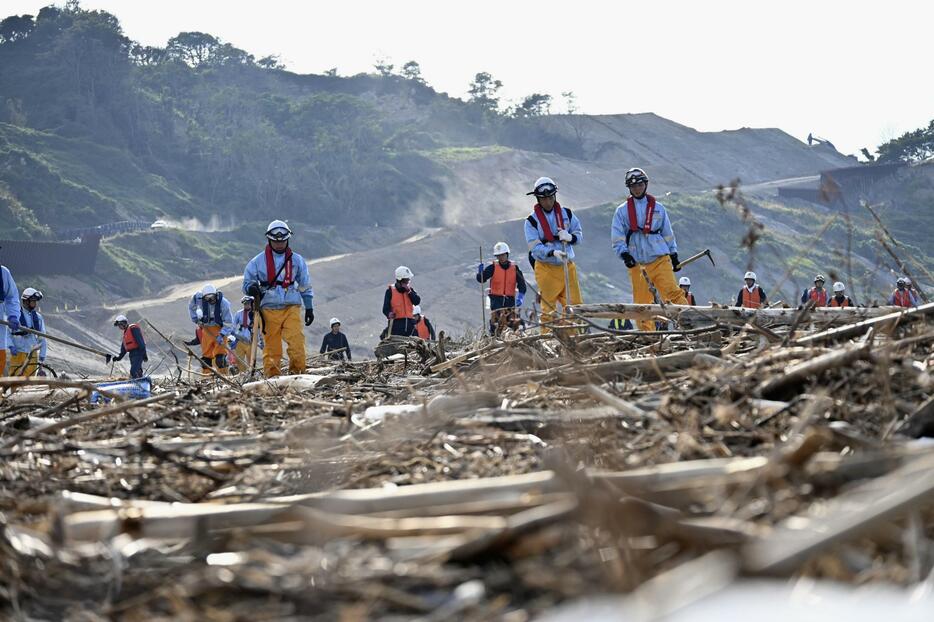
(751, 275)
(839, 287)
(684, 281)
(246, 299)
(120, 318)
(819, 277)
(31, 293)
(278, 230)
(544, 187)
(417, 310)
(403, 272)
(635, 176)
(334, 321)
(500, 248)
(208, 289)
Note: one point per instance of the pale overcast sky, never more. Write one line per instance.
(852, 71)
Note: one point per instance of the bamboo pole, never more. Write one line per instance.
(57, 339)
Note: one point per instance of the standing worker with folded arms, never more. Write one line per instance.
(752, 296)
(399, 303)
(507, 286)
(643, 238)
(279, 282)
(552, 232)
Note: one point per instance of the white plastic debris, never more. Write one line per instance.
(299, 382)
(378, 413)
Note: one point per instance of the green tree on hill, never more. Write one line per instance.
(484, 91)
(913, 146)
(534, 105)
(16, 27)
(412, 71)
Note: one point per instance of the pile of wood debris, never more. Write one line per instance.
(491, 480)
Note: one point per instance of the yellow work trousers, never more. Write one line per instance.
(209, 346)
(663, 278)
(19, 366)
(283, 324)
(243, 354)
(551, 285)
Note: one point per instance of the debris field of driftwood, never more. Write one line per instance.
(489, 480)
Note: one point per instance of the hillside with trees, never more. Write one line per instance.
(96, 128)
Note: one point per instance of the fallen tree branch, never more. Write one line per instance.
(797, 373)
(85, 417)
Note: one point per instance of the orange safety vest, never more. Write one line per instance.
(129, 342)
(422, 329)
(751, 299)
(503, 282)
(401, 304)
(902, 297)
(845, 303)
(691, 300)
(819, 297)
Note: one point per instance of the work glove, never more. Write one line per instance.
(520, 298)
(628, 259)
(145, 358)
(564, 236)
(220, 340)
(13, 321)
(42, 359)
(13, 350)
(675, 264)
(392, 315)
(255, 290)
(309, 316)
(200, 315)
(479, 269)
(560, 255)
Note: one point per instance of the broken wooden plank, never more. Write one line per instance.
(852, 330)
(845, 517)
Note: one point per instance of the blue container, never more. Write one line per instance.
(137, 389)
